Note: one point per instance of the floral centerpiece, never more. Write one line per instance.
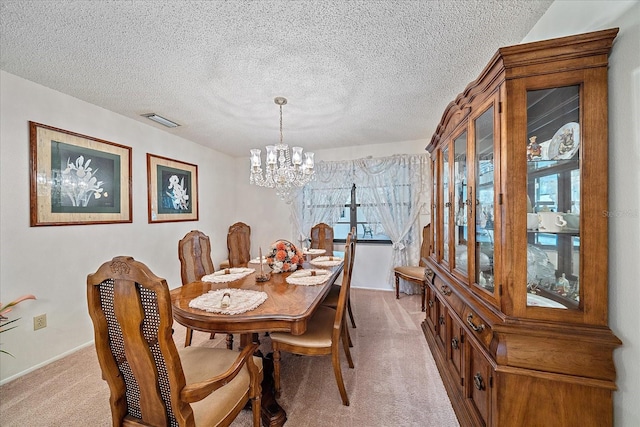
(284, 256)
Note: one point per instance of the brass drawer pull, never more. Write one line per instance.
(478, 328)
(445, 290)
(455, 344)
(441, 319)
(430, 303)
(478, 382)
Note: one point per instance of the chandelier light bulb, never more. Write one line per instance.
(272, 156)
(296, 157)
(255, 158)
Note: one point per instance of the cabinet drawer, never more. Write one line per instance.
(477, 327)
(480, 381)
(447, 294)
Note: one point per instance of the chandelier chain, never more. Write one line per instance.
(281, 124)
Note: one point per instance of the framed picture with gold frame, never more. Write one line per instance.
(172, 190)
(77, 179)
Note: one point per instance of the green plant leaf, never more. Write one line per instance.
(3, 326)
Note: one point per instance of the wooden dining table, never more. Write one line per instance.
(287, 308)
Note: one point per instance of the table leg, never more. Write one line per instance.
(273, 415)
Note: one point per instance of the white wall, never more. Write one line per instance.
(53, 262)
(572, 17)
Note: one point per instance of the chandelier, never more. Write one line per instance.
(283, 170)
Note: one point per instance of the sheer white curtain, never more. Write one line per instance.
(393, 191)
(322, 199)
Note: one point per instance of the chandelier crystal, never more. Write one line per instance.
(283, 170)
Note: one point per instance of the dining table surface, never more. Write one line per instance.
(288, 307)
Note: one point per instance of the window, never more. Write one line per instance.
(381, 198)
(352, 215)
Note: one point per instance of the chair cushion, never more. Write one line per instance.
(202, 363)
(318, 334)
(416, 273)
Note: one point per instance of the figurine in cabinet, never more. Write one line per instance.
(562, 285)
(534, 150)
(566, 141)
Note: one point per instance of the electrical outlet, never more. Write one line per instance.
(39, 322)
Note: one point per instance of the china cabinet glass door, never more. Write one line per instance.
(484, 200)
(434, 208)
(460, 205)
(553, 190)
(446, 203)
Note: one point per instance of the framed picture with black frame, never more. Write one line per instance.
(172, 190)
(77, 179)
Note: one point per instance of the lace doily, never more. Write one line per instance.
(313, 251)
(239, 300)
(326, 261)
(308, 277)
(227, 275)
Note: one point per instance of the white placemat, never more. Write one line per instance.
(256, 260)
(239, 300)
(326, 261)
(313, 251)
(227, 275)
(308, 277)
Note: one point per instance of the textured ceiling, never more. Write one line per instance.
(356, 72)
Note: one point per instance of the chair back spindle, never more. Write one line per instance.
(345, 287)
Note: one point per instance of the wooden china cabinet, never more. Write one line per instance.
(517, 296)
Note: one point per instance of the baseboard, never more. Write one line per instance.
(367, 288)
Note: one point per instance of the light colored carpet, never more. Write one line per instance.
(395, 381)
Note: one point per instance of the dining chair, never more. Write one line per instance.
(367, 229)
(322, 238)
(416, 274)
(325, 330)
(194, 253)
(239, 246)
(331, 300)
(151, 382)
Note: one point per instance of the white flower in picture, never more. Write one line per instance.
(179, 196)
(79, 183)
